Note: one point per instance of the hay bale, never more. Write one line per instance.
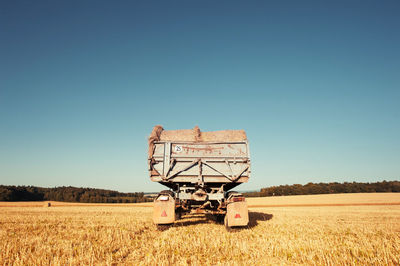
(178, 135)
(224, 135)
(154, 136)
(195, 135)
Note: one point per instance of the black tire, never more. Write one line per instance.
(226, 224)
(219, 218)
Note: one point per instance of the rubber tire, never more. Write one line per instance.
(219, 218)
(226, 224)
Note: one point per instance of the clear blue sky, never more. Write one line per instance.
(315, 84)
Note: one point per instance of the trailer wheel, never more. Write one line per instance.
(220, 218)
(229, 229)
(178, 215)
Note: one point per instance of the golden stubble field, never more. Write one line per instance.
(124, 234)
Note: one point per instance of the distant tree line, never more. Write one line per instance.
(326, 188)
(68, 194)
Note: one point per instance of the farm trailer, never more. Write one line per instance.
(200, 168)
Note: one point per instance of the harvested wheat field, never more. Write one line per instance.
(124, 234)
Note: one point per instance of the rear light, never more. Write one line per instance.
(236, 199)
(163, 198)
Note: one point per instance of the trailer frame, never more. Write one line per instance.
(200, 176)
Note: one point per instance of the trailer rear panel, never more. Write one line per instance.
(204, 162)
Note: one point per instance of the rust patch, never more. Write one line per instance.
(207, 149)
(202, 149)
(154, 172)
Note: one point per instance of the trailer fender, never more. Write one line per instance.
(164, 210)
(237, 214)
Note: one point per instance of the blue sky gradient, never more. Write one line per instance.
(316, 86)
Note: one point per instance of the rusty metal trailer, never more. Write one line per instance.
(201, 169)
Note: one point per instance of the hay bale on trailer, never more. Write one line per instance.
(195, 135)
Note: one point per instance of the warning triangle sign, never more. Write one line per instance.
(237, 215)
(164, 214)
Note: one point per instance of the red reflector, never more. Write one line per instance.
(163, 214)
(238, 215)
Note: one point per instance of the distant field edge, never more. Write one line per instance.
(322, 200)
(70, 204)
(250, 205)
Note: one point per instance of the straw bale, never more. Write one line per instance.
(154, 136)
(224, 135)
(178, 135)
(196, 135)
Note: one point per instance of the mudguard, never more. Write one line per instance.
(164, 210)
(237, 214)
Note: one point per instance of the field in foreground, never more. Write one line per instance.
(101, 234)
